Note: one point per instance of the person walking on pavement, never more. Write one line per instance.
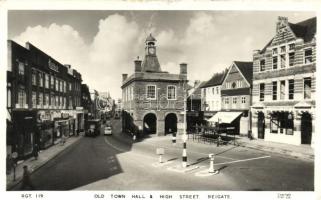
(26, 181)
(35, 151)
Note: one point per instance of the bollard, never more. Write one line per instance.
(184, 155)
(160, 159)
(211, 169)
(218, 140)
(174, 138)
(160, 152)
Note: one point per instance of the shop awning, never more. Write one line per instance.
(225, 117)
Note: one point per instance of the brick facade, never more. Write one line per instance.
(136, 104)
(284, 83)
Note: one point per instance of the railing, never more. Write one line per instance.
(213, 135)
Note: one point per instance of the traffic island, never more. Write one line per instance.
(181, 169)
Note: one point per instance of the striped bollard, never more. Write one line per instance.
(174, 138)
(211, 169)
(184, 151)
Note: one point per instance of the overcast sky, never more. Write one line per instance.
(102, 45)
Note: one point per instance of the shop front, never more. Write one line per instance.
(61, 126)
(25, 134)
(45, 128)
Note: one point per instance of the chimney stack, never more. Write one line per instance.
(138, 65)
(124, 77)
(183, 68)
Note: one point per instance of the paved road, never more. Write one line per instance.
(116, 163)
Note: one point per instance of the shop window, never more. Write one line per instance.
(291, 59)
(274, 90)
(282, 121)
(262, 91)
(307, 88)
(274, 124)
(291, 89)
(308, 56)
(262, 65)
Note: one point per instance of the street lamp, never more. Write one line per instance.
(184, 156)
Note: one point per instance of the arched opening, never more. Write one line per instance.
(260, 125)
(170, 123)
(306, 128)
(150, 124)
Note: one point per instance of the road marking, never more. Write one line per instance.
(243, 160)
(118, 149)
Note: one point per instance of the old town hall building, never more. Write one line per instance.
(153, 100)
(284, 84)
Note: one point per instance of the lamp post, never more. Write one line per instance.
(184, 156)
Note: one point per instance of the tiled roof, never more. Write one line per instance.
(305, 29)
(246, 69)
(217, 79)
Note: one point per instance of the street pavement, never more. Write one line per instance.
(118, 163)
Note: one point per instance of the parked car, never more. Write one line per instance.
(108, 130)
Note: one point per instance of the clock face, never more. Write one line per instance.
(151, 50)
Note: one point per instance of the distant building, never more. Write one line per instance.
(211, 95)
(236, 97)
(43, 99)
(153, 100)
(284, 84)
(194, 105)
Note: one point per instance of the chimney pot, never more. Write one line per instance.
(124, 77)
(183, 68)
(138, 65)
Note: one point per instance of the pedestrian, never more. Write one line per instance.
(26, 181)
(35, 151)
(10, 163)
(63, 139)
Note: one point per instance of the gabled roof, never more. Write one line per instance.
(246, 69)
(305, 29)
(217, 79)
(197, 91)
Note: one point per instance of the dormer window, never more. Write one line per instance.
(283, 49)
(274, 51)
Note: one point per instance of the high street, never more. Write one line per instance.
(117, 163)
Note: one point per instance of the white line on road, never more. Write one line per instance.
(249, 159)
(118, 149)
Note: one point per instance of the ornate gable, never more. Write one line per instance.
(284, 32)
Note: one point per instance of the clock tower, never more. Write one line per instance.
(150, 63)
